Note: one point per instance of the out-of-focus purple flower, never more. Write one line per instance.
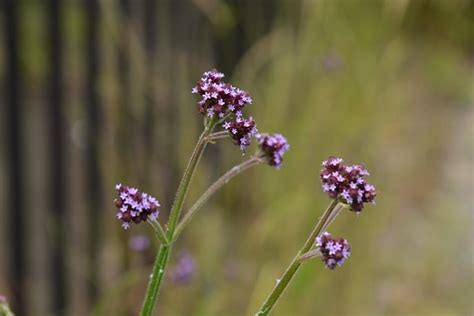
(241, 131)
(183, 271)
(3, 299)
(334, 251)
(347, 183)
(219, 99)
(135, 206)
(139, 243)
(332, 62)
(272, 148)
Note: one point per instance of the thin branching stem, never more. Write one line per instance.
(315, 253)
(295, 264)
(225, 178)
(218, 135)
(5, 310)
(162, 257)
(160, 232)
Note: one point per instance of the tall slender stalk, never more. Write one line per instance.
(186, 180)
(163, 254)
(234, 171)
(4, 308)
(282, 283)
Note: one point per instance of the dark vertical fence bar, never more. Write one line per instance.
(12, 125)
(124, 134)
(93, 182)
(150, 7)
(56, 133)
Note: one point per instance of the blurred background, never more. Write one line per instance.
(98, 92)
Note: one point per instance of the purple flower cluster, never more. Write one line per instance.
(183, 271)
(241, 131)
(347, 183)
(135, 206)
(334, 251)
(272, 148)
(223, 100)
(219, 99)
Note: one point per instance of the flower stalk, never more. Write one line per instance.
(234, 171)
(186, 181)
(4, 308)
(310, 255)
(217, 135)
(284, 281)
(162, 257)
(159, 231)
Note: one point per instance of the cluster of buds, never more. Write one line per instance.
(219, 99)
(272, 148)
(334, 251)
(241, 131)
(347, 183)
(224, 101)
(135, 206)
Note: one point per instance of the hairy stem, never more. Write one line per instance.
(185, 182)
(156, 278)
(225, 178)
(218, 135)
(5, 309)
(315, 253)
(295, 264)
(162, 257)
(160, 232)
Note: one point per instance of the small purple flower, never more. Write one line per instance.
(3, 299)
(219, 99)
(272, 148)
(135, 206)
(347, 183)
(334, 251)
(241, 131)
(183, 271)
(139, 243)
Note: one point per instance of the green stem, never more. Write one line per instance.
(5, 310)
(218, 135)
(156, 278)
(225, 178)
(161, 260)
(160, 232)
(295, 264)
(185, 181)
(315, 253)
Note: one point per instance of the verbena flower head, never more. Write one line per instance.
(347, 183)
(272, 148)
(241, 131)
(135, 206)
(334, 251)
(219, 99)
